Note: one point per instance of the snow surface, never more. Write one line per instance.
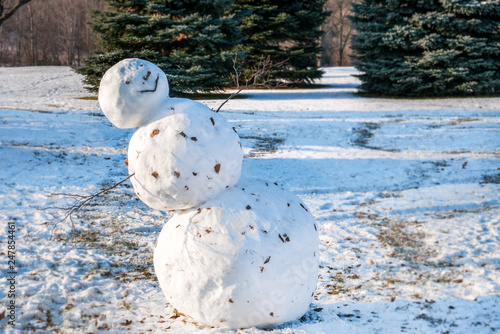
(405, 193)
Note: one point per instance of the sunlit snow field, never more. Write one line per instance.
(406, 195)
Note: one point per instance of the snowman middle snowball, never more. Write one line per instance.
(185, 158)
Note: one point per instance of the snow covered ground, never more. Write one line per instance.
(405, 193)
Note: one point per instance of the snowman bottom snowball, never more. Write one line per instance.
(248, 257)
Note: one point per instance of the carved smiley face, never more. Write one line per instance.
(132, 91)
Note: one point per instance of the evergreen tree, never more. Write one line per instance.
(283, 29)
(428, 47)
(191, 40)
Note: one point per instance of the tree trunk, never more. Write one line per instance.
(1, 43)
(18, 54)
(325, 57)
(33, 48)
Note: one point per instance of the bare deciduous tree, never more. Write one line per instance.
(7, 13)
(338, 32)
(260, 76)
(48, 32)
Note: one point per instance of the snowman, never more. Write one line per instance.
(238, 252)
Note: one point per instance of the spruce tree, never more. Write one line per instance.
(428, 47)
(192, 40)
(283, 29)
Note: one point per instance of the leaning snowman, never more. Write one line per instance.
(238, 252)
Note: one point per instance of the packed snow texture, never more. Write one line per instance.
(248, 257)
(405, 195)
(185, 158)
(133, 92)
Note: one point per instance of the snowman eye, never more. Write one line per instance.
(127, 82)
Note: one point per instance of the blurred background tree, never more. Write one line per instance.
(47, 32)
(401, 47)
(338, 31)
(283, 30)
(428, 48)
(7, 12)
(192, 41)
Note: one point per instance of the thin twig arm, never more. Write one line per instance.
(80, 201)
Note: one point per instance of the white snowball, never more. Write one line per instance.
(131, 92)
(246, 258)
(184, 159)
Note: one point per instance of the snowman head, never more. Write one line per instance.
(132, 92)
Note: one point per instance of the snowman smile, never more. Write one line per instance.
(154, 89)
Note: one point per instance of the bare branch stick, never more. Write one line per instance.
(80, 201)
(261, 76)
(230, 97)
